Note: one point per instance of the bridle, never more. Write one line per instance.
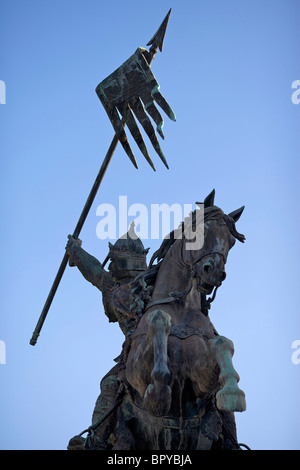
(191, 264)
(194, 274)
(182, 295)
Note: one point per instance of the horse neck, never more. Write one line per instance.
(173, 274)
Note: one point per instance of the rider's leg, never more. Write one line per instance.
(230, 397)
(109, 388)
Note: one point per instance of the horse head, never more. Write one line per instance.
(220, 234)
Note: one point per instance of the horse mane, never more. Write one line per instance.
(191, 223)
(143, 284)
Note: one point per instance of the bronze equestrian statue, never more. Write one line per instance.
(174, 386)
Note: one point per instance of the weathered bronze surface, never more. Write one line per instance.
(174, 386)
(132, 89)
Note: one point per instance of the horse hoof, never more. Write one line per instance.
(157, 399)
(231, 399)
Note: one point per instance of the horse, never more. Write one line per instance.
(181, 386)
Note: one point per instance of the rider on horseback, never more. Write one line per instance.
(127, 261)
(156, 321)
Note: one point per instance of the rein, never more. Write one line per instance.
(207, 303)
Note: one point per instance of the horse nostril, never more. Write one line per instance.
(222, 276)
(207, 268)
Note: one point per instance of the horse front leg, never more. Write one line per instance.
(230, 397)
(157, 398)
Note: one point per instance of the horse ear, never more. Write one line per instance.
(235, 215)
(209, 200)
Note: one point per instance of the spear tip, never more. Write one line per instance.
(158, 39)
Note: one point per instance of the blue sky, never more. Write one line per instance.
(227, 70)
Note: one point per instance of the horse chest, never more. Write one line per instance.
(188, 350)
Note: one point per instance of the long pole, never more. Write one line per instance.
(76, 233)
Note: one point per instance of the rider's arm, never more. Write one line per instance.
(89, 266)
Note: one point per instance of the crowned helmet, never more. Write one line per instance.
(127, 255)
